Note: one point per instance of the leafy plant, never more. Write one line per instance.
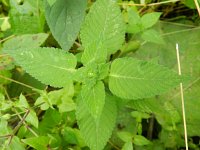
(90, 77)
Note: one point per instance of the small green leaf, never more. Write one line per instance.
(63, 98)
(64, 18)
(150, 19)
(73, 136)
(134, 22)
(128, 146)
(104, 23)
(125, 136)
(25, 41)
(92, 73)
(4, 129)
(97, 133)
(49, 65)
(131, 46)
(22, 103)
(140, 140)
(94, 98)
(32, 118)
(153, 36)
(50, 120)
(39, 143)
(135, 79)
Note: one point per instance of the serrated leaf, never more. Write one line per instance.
(64, 18)
(39, 143)
(49, 65)
(94, 98)
(97, 133)
(149, 19)
(104, 23)
(25, 41)
(94, 53)
(152, 35)
(134, 79)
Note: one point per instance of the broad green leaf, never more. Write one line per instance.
(26, 17)
(49, 65)
(150, 19)
(94, 98)
(39, 143)
(153, 36)
(25, 41)
(97, 133)
(134, 79)
(94, 53)
(64, 18)
(140, 140)
(104, 23)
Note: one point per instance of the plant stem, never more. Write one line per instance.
(151, 125)
(182, 98)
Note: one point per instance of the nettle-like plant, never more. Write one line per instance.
(104, 80)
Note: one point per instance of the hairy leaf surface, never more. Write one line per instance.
(104, 23)
(25, 41)
(94, 98)
(135, 79)
(97, 133)
(49, 65)
(94, 53)
(64, 18)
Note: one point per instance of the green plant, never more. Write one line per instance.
(93, 77)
